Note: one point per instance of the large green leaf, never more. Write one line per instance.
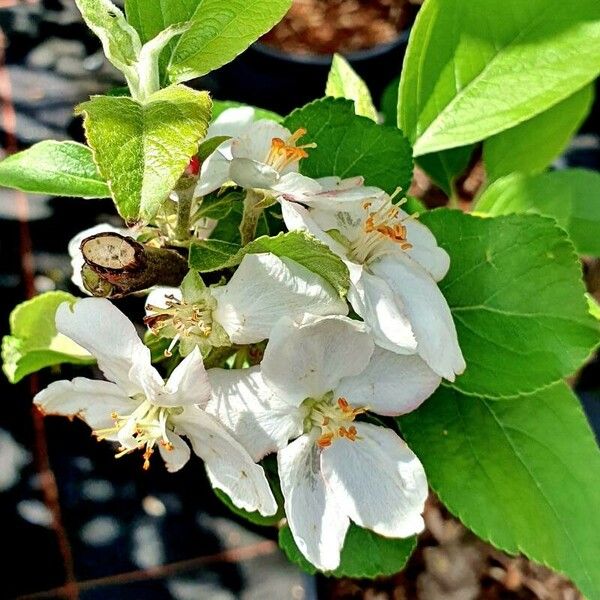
(54, 168)
(572, 197)
(142, 149)
(364, 555)
(349, 145)
(344, 82)
(446, 166)
(303, 248)
(34, 343)
(473, 69)
(531, 146)
(150, 17)
(517, 298)
(522, 474)
(220, 31)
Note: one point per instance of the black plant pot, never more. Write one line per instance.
(267, 77)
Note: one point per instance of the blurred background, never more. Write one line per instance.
(77, 523)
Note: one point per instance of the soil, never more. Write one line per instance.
(328, 26)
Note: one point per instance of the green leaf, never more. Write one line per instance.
(303, 248)
(150, 17)
(593, 306)
(572, 197)
(54, 168)
(389, 103)
(517, 297)
(254, 517)
(473, 69)
(34, 343)
(220, 106)
(533, 145)
(521, 473)
(344, 82)
(213, 255)
(364, 555)
(142, 149)
(220, 31)
(349, 145)
(446, 166)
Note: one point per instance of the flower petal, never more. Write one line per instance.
(103, 330)
(214, 172)
(159, 296)
(251, 174)
(428, 312)
(265, 288)
(296, 187)
(377, 481)
(391, 385)
(232, 122)
(177, 456)
(425, 249)
(76, 255)
(229, 466)
(382, 310)
(255, 142)
(318, 525)
(308, 360)
(91, 400)
(251, 412)
(188, 383)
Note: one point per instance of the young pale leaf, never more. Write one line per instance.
(54, 168)
(34, 343)
(120, 40)
(531, 146)
(142, 149)
(303, 248)
(365, 554)
(349, 145)
(521, 473)
(517, 297)
(572, 197)
(220, 31)
(446, 166)
(150, 17)
(473, 69)
(344, 82)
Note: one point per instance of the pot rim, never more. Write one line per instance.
(326, 59)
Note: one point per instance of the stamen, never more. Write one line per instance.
(282, 153)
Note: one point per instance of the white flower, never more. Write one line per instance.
(315, 379)
(394, 263)
(139, 410)
(262, 290)
(76, 255)
(260, 155)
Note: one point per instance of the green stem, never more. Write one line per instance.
(218, 356)
(252, 212)
(185, 197)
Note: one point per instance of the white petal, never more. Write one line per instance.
(188, 383)
(428, 312)
(425, 249)
(229, 466)
(265, 288)
(177, 456)
(214, 171)
(77, 261)
(308, 360)
(159, 296)
(318, 525)
(382, 310)
(296, 187)
(103, 330)
(251, 174)
(251, 412)
(255, 142)
(232, 122)
(91, 400)
(377, 481)
(342, 194)
(298, 218)
(391, 385)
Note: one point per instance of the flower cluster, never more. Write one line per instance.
(298, 376)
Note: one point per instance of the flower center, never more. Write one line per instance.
(379, 227)
(334, 419)
(285, 153)
(147, 426)
(180, 319)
